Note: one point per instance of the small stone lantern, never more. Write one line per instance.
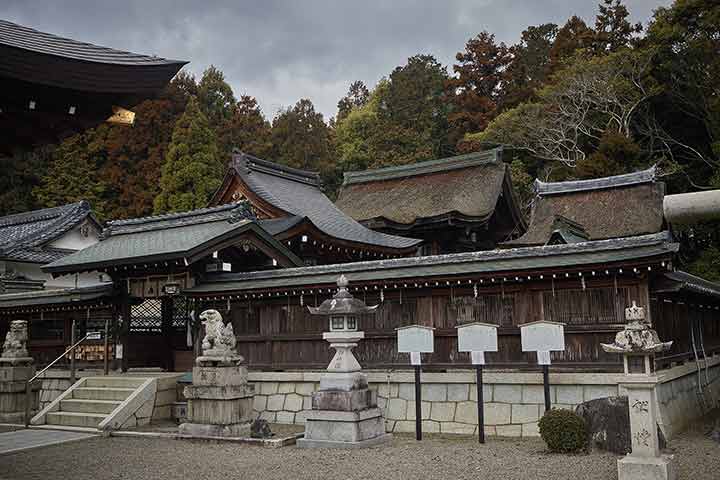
(343, 311)
(344, 411)
(638, 343)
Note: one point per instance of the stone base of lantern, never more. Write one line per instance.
(344, 414)
(640, 468)
(337, 429)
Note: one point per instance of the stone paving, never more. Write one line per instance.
(20, 440)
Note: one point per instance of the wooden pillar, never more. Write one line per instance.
(167, 313)
(124, 327)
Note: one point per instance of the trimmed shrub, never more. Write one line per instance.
(563, 431)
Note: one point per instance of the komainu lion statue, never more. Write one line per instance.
(219, 338)
(15, 345)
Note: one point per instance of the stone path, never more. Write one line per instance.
(20, 440)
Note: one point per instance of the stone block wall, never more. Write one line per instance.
(679, 399)
(514, 402)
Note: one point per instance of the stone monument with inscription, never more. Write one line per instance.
(638, 343)
(344, 411)
(220, 398)
(16, 368)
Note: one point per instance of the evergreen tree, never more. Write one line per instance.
(477, 86)
(192, 170)
(613, 31)
(301, 139)
(357, 96)
(573, 36)
(215, 97)
(73, 175)
(530, 64)
(246, 130)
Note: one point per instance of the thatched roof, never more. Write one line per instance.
(466, 188)
(609, 207)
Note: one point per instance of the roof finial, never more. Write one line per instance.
(342, 282)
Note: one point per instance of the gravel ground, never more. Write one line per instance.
(435, 458)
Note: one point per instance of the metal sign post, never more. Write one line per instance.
(478, 338)
(543, 337)
(416, 339)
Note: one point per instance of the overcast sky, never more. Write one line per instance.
(281, 51)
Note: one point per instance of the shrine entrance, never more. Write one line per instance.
(160, 333)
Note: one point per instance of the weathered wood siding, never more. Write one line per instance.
(281, 334)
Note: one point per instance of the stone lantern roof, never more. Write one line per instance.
(637, 337)
(342, 303)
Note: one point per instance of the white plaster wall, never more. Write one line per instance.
(75, 240)
(33, 271)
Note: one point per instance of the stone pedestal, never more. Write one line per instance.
(219, 402)
(344, 414)
(14, 373)
(645, 460)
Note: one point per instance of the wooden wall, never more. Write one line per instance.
(673, 318)
(281, 334)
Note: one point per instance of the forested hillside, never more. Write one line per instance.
(578, 100)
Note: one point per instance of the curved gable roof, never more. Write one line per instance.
(297, 193)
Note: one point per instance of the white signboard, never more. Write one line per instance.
(477, 337)
(543, 337)
(94, 336)
(415, 338)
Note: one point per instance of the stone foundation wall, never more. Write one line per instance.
(678, 397)
(514, 402)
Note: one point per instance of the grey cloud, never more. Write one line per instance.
(280, 51)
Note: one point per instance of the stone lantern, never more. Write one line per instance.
(344, 411)
(638, 343)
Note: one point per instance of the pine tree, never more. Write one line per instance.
(193, 169)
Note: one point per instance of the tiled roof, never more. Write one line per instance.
(24, 236)
(466, 186)
(166, 237)
(19, 36)
(609, 207)
(672, 282)
(298, 193)
(56, 296)
(574, 255)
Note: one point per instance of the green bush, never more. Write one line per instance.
(563, 431)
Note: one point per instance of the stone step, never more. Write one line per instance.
(82, 405)
(118, 382)
(75, 419)
(101, 393)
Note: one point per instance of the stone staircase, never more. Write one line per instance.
(92, 401)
